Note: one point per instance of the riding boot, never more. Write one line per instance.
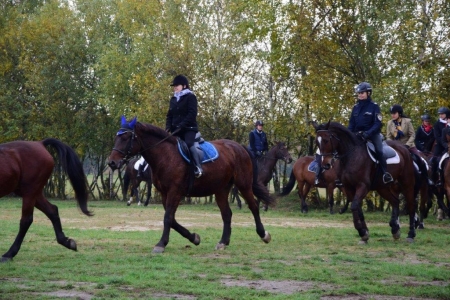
(387, 177)
(434, 170)
(196, 161)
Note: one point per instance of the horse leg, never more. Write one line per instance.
(225, 211)
(131, 197)
(330, 191)
(170, 203)
(25, 223)
(252, 205)
(138, 200)
(51, 211)
(303, 190)
(149, 193)
(358, 216)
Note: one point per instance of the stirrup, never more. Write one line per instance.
(338, 182)
(198, 172)
(430, 182)
(387, 178)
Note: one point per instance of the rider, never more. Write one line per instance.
(181, 118)
(425, 135)
(439, 148)
(400, 128)
(258, 140)
(365, 121)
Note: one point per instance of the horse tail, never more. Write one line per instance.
(290, 185)
(259, 189)
(74, 169)
(126, 184)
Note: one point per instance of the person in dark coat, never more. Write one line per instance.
(258, 144)
(439, 148)
(181, 119)
(425, 135)
(365, 121)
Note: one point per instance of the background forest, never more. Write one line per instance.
(70, 69)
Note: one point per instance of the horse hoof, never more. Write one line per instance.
(72, 245)
(410, 240)
(421, 226)
(362, 242)
(5, 259)
(158, 249)
(440, 214)
(267, 238)
(128, 203)
(396, 235)
(220, 246)
(196, 239)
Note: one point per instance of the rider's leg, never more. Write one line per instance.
(189, 138)
(318, 160)
(377, 142)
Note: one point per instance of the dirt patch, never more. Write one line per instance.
(280, 286)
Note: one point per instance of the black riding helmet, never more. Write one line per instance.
(259, 122)
(426, 117)
(180, 80)
(364, 87)
(397, 109)
(443, 110)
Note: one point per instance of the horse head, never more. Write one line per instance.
(126, 144)
(328, 144)
(282, 152)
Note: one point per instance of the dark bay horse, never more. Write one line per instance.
(266, 165)
(25, 170)
(131, 177)
(305, 180)
(171, 176)
(360, 175)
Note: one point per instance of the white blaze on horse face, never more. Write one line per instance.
(319, 141)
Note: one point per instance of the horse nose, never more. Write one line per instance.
(112, 164)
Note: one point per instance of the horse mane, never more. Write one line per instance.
(156, 131)
(347, 138)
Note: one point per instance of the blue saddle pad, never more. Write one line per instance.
(313, 166)
(209, 152)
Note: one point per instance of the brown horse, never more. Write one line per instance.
(25, 170)
(266, 165)
(305, 180)
(131, 177)
(172, 175)
(359, 175)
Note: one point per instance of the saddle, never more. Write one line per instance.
(206, 151)
(389, 153)
(139, 162)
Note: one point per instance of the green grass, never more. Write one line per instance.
(310, 256)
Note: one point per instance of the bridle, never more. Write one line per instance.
(334, 154)
(127, 152)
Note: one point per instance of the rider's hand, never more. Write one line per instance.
(362, 135)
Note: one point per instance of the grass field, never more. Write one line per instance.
(313, 256)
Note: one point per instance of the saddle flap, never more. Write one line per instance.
(388, 151)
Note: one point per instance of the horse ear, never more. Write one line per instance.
(133, 122)
(328, 125)
(314, 124)
(123, 121)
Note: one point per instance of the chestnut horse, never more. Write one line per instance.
(131, 177)
(305, 180)
(25, 170)
(266, 164)
(172, 175)
(359, 175)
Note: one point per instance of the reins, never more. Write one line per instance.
(127, 154)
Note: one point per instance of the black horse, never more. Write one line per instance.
(131, 176)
